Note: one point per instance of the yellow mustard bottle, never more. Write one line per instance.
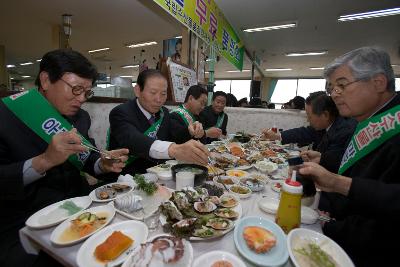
(288, 215)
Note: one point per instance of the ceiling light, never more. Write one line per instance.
(395, 65)
(272, 27)
(10, 66)
(125, 76)
(129, 66)
(317, 68)
(300, 54)
(278, 69)
(372, 14)
(11, 78)
(26, 63)
(141, 44)
(38, 60)
(206, 72)
(98, 50)
(178, 37)
(237, 71)
(25, 76)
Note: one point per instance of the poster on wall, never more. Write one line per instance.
(173, 48)
(181, 78)
(206, 20)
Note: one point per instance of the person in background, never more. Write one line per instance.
(186, 116)
(362, 85)
(213, 117)
(255, 102)
(178, 51)
(243, 102)
(40, 162)
(145, 127)
(298, 102)
(231, 100)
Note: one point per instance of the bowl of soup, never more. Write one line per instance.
(200, 172)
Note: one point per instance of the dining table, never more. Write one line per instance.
(35, 240)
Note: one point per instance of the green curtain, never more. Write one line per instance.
(271, 90)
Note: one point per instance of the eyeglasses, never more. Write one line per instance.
(339, 88)
(77, 90)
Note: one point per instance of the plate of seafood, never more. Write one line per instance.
(111, 191)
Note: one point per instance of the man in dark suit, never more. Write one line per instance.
(213, 117)
(186, 116)
(35, 172)
(144, 126)
(362, 85)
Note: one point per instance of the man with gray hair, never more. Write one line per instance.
(362, 85)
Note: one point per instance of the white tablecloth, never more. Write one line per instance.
(33, 240)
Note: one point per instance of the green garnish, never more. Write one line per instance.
(316, 255)
(148, 187)
(71, 207)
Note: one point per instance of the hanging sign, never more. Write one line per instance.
(205, 19)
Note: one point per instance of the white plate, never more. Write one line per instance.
(266, 166)
(93, 196)
(206, 260)
(270, 205)
(244, 167)
(277, 256)
(137, 231)
(238, 209)
(185, 261)
(56, 234)
(157, 169)
(297, 238)
(239, 173)
(37, 221)
(165, 175)
(274, 188)
(150, 203)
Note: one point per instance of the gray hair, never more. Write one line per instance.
(365, 63)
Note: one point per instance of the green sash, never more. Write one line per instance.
(42, 118)
(369, 135)
(150, 132)
(220, 120)
(185, 114)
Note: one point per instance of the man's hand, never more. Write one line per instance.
(271, 135)
(311, 155)
(192, 152)
(196, 129)
(326, 180)
(214, 132)
(62, 146)
(120, 156)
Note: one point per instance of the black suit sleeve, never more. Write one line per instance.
(301, 135)
(179, 131)
(224, 124)
(125, 134)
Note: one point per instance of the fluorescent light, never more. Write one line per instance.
(25, 76)
(206, 72)
(272, 27)
(141, 44)
(278, 69)
(129, 66)
(317, 68)
(26, 63)
(237, 71)
(395, 65)
(372, 14)
(178, 37)
(11, 78)
(10, 66)
(125, 76)
(300, 54)
(38, 60)
(98, 50)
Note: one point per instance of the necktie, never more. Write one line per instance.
(152, 120)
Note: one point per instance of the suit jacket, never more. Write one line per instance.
(18, 143)
(127, 127)
(370, 238)
(303, 136)
(181, 127)
(209, 119)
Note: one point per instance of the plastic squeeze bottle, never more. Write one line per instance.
(288, 215)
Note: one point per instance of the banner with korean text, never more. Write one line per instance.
(205, 19)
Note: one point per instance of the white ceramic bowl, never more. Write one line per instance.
(298, 238)
(246, 195)
(223, 177)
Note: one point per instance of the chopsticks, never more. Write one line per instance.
(105, 154)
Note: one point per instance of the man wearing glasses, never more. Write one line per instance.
(362, 84)
(41, 151)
